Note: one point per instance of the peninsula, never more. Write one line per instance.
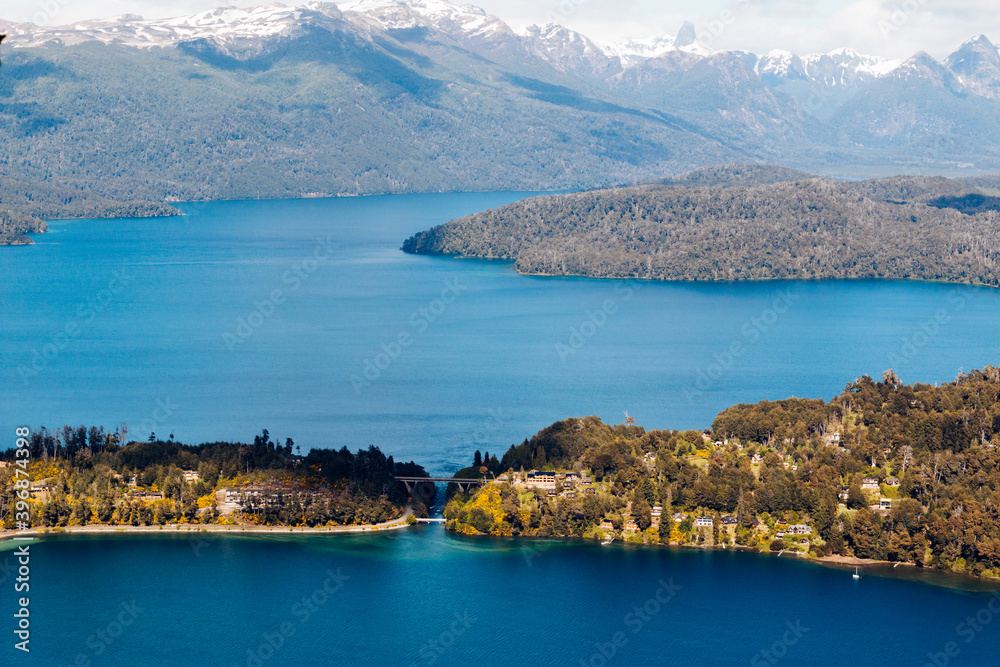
(743, 223)
(93, 480)
(883, 472)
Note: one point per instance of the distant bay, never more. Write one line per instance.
(305, 318)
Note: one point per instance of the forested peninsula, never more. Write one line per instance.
(884, 471)
(25, 207)
(79, 476)
(743, 223)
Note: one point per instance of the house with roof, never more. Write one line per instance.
(728, 520)
(606, 525)
(704, 522)
(631, 526)
(869, 484)
(540, 479)
(892, 481)
(799, 529)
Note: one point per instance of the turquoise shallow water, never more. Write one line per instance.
(222, 322)
(421, 597)
(142, 321)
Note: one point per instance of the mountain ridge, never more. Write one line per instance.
(380, 97)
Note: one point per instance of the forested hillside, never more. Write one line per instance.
(82, 476)
(14, 228)
(905, 473)
(764, 226)
(373, 98)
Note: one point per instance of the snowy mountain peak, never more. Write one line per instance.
(225, 24)
(439, 14)
(633, 51)
(977, 65)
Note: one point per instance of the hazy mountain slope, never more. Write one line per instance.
(327, 113)
(376, 96)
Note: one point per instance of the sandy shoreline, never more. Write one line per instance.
(835, 559)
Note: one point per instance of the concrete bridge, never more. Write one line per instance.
(464, 483)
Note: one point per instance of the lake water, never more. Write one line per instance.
(421, 597)
(151, 322)
(222, 322)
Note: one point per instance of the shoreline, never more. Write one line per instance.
(894, 569)
(185, 528)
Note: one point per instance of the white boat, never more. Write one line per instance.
(607, 540)
(856, 575)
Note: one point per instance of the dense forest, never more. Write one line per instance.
(886, 471)
(83, 476)
(806, 228)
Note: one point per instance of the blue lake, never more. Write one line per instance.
(222, 322)
(152, 322)
(421, 597)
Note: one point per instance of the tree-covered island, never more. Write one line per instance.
(884, 471)
(743, 223)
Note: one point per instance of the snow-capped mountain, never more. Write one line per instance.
(634, 51)
(568, 51)
(370, 96)
(224, 25)
(240, 31)
(842, 68)
(463, 20)
(977, 64)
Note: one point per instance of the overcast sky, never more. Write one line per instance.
(890, 28)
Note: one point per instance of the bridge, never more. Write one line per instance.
(463, 483)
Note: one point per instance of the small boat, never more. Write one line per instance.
(856, 575)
